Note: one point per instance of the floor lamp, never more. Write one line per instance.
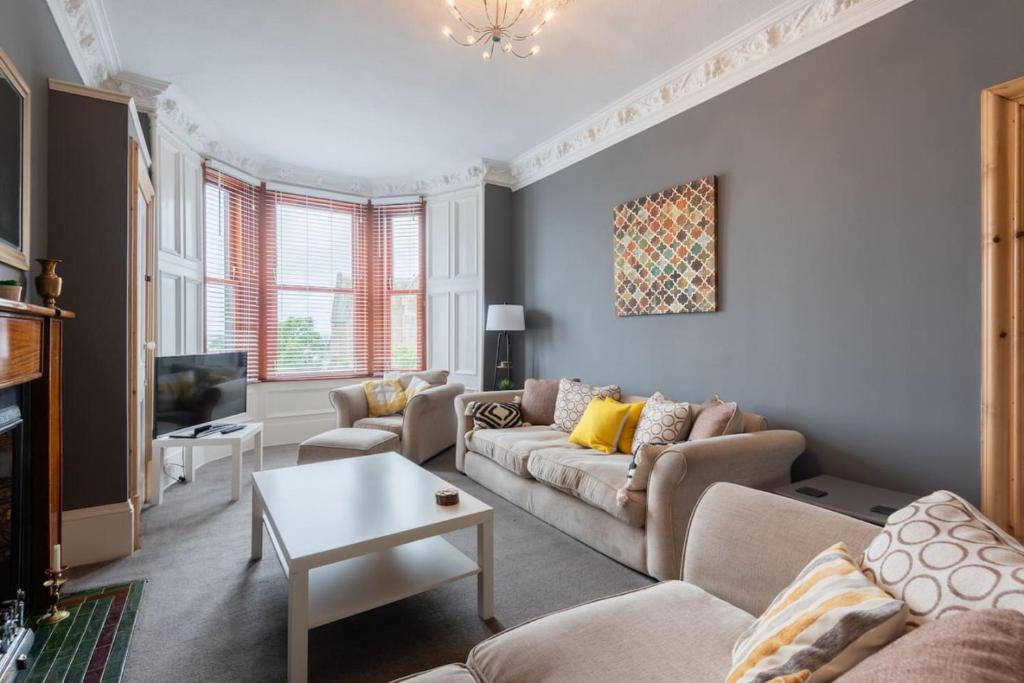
(504, 318)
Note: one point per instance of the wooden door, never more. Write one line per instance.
(141, 334)
(1002, 331)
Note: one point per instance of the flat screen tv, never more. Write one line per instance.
(196, 390)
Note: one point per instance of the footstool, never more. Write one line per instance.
(347, 442)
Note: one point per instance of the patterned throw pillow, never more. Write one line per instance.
(416, 385)
(830, 618)
(941, 556)
(495, 415)
(661, 422)
(573, 399)
(384, 397)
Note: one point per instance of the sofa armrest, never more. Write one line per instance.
(464, 424)
(350, 404)
(428, 426)
(758, 460)
(745, 546)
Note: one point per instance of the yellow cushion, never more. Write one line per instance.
(601, 425)
(628, 429)
(384, 396)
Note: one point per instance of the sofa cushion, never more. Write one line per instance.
(387, 423)
(573, 399)
(384, 396)
(941, 556)
(980, 645)
(661, 421)
(495, 414)
(671, 631)
(592, 477)
(432, 377)
(511, 448)
(539, 401)
(601, 425)
(829, 619)
(714, 418)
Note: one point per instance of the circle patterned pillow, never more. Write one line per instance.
(941, 556)
(662, 421)
(574, 397)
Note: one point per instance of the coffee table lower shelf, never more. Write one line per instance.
(362, 583)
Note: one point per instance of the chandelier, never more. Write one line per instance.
(502, 25)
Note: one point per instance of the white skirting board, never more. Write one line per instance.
(97, 534)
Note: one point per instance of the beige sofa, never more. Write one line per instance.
(425, 427)
(744, 546)
(574, 489)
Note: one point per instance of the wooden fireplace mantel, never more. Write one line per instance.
(31, 344)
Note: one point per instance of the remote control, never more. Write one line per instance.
(232, 428)
(812, 492)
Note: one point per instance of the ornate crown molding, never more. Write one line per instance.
(791, 30)
(84, 27)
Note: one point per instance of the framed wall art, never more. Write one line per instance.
(664, 251)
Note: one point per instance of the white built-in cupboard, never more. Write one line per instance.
(178, 178)
(455, 285)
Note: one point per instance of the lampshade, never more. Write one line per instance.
(505, 318)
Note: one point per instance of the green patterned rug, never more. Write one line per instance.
(91, 645)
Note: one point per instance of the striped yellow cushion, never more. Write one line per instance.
(384, 397)
(830, 618)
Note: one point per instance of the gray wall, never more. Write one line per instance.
(31, 39)
(848, 248)
(499, 274)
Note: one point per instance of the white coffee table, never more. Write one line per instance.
(358, 533)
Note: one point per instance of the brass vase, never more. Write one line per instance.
(48, 283)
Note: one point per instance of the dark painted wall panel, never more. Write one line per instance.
(31, 39)
(89, 230)
(848, 248)
(499, 283)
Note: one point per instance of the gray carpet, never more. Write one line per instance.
(208, 614)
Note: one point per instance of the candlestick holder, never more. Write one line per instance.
(54, 614)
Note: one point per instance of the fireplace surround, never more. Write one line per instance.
(30, 467)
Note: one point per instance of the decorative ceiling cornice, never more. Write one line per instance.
(84, 27)
(791, 30)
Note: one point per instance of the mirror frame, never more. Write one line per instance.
(10, 253)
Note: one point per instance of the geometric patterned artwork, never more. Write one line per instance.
(664, 251)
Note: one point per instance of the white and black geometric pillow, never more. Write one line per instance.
(496, 415)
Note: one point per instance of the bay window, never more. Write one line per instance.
(313, 287)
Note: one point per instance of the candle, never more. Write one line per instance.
(55, 559)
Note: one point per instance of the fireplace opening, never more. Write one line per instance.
(13, 504)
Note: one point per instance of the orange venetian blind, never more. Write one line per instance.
(232, 266)
(398, 286)
(315, 294)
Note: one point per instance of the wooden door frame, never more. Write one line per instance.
(137, 476)
(1002, 306)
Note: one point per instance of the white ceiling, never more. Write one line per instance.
(371, 88)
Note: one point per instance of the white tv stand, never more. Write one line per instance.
(232, 439)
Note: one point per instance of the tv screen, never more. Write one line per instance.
(198, 389)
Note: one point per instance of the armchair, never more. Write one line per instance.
(425, 427)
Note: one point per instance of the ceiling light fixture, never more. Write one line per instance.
(498, 25)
